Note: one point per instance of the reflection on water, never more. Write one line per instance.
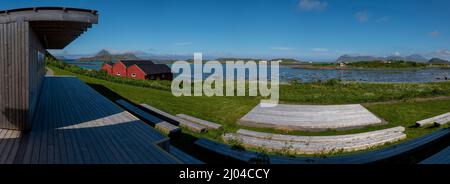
(308, 75)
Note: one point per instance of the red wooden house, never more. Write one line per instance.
(120, 68)
(139, 69)
(108, 67)
(150, 71)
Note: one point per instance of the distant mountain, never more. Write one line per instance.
(416, 58)
(284, 60)
(438, 61)
(350, 59)
(104, 55)
(237, 59)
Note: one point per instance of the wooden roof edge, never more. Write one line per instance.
(49, 8)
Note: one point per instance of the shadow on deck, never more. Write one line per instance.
(74, 124)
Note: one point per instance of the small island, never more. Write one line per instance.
(106, 56)
(370, 62)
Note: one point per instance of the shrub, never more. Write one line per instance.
(101, 74)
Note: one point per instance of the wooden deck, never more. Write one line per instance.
(9, 144)
(74, 124)
(443, 157)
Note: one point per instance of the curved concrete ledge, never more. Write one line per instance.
(313, 139)
(310, 117)
(315, 147)
(399, 153)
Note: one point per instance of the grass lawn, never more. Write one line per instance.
(400, 107)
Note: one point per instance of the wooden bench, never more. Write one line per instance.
(207, 124)
(443, 121)
(433, 120)
(338, 138)
(168, 128)
(159, 124)
(175, 120)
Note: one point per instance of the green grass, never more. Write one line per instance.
(354, 92)
(227, 110)
(407, 113)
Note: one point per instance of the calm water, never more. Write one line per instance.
(410, 75)
(307, 75)
(93, 65)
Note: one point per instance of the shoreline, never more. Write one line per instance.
(310, 67)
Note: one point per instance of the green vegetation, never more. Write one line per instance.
(162, 85)
(336, 92)
(399, 104)
(386, 64)
(406, 113)
(372, 65)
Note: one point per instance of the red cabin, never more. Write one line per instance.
(108, 68)
(140, 69)
(120, 67)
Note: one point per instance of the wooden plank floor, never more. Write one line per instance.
(443, 157)
(76, 125)
(9, 144)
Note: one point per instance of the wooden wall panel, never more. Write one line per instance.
(36, 70)
(17, 46)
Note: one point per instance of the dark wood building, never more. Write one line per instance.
(25, 34)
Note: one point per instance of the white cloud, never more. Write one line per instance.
(397, 54)
(434, 33)
(312, 5)
(182, 43)
(443, 54)
(281, 48)
(362, 16)
(320, 49)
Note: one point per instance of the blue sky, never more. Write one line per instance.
(302, 29)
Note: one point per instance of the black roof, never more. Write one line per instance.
(150, 69)
(130, 62)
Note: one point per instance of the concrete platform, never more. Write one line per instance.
(310, 117)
